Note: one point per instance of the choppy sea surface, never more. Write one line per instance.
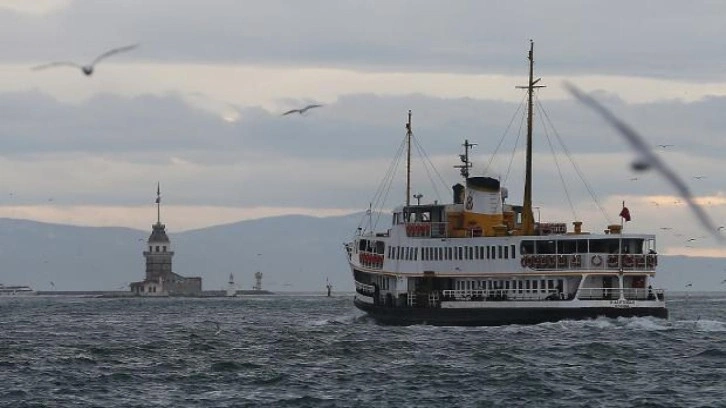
(314, 351)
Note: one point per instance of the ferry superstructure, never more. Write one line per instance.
(481, 261)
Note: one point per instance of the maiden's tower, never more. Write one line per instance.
(160, 279)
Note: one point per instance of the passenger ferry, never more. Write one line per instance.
(482, 261)
(16, 290)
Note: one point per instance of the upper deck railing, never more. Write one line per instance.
(426, 229)
(591, 261)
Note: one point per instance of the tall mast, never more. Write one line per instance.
(527, 215)
(409, 133)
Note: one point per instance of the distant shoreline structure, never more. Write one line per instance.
(127, 294)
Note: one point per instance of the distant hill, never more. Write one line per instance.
(297, 253)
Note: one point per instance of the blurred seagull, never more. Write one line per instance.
(699, 177)
(302, 110)
(664, 146)
(689, 284)
(647, 158)
(87, 69)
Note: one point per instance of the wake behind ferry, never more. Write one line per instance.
(482, 261)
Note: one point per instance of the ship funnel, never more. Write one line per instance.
(458, 193)
(483, 206)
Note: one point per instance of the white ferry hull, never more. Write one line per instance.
(504, 313)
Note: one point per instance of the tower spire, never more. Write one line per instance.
(158, 203)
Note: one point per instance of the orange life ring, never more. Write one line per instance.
(628, 261)
(551, 261)
(596, 260)
(651, 260)
(612, 261)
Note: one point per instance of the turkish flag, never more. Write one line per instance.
(625, 213)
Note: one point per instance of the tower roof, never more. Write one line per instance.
(158, 233)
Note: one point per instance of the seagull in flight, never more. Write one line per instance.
(689, 284)
(87, 69)
(647, 159)
(664, 146)
(302, 110)
(699, 177)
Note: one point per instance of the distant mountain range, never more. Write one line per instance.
(294, 253)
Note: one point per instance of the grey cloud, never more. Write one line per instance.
(270, 160)
(670, 39)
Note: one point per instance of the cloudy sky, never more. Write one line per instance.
(197, 107)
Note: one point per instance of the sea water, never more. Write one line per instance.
(307, 350)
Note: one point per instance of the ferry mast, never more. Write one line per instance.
(409, 133)
(527, 215)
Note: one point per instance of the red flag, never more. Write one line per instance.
(625, 213)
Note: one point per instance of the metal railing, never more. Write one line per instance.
(591, 261)
(426, 229)
(365, 289)
(614, 293)
(499, 294)
(370, 259)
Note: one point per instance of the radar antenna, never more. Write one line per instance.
(466, 163)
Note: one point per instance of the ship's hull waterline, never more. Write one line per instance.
(500, 315)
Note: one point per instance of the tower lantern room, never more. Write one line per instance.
(158, 253)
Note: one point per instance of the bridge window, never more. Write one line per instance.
(546, 247)
(506, 252)
(513, 252)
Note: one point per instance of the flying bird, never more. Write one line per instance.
(87, 69)
(664, 146)
(647, 158)
(302, 110)
(699, 177)
(689, 284)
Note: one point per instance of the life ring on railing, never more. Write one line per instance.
(596, 260)
(551, 261)
(612, 261)
(628, 261)
(523, 262)
(651, 260)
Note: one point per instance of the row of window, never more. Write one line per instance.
(520, 286)
(157, 248)
(453, 253)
